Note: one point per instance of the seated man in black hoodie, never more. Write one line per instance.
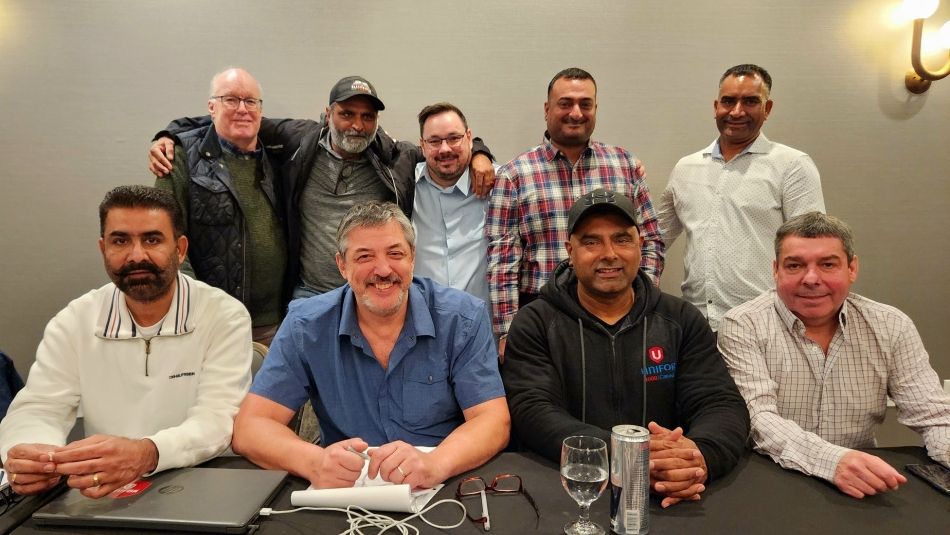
(602, 347)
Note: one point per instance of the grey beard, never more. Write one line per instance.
(351, 145)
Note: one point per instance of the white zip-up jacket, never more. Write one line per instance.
(180, 389)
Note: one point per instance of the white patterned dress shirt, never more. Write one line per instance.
(808, 409)
(730, 212)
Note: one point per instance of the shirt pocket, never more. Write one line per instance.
(428, 398)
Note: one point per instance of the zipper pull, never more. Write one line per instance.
(148, 351)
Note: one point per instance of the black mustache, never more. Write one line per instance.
(140, 266)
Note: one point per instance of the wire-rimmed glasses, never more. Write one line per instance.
(501, 484)
(232, 102)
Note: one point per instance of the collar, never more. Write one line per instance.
(760, 145)
(418, 319)
(462, 184)
(550, 151)
(233, 149)
(115, 321)
(794, 324)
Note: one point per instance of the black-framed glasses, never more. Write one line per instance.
(342, 179)
(232, 102)
(436, 142)
(8, 499)
(501, 484)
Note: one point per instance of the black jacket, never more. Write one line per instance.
(293, 145)
(216, 221)
(566, 374)
(295, 142)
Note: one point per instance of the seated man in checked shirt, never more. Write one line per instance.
(815, 364)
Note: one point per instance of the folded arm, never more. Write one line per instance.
(780, 438)
(536, 397)
(224, 378)
(472, 444)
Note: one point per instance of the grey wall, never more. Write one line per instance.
(84, 85)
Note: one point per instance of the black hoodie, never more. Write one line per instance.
(566, 374)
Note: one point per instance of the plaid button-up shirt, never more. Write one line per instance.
(808, 408)
(526, 223)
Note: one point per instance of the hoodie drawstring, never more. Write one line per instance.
(580, 331)
(643, 366)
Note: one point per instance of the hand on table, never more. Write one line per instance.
(860, 474)
(337, 466)
(29, 468)
(401, 463)
(677, 467)
(99, 464)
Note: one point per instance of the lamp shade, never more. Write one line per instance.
(943, 35)
(920, 9)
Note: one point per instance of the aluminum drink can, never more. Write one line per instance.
(629, 480)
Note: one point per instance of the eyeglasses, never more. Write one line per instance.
(501, 484)
(232, 103)
(436, 142)
(8, 499)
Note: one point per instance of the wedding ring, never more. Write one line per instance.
(95, 480)
(50, 454)
(401, 472)
(12, 478)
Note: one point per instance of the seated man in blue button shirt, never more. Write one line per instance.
(388, 361)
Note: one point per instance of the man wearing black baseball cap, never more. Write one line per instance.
(602, 346)
(329, 166)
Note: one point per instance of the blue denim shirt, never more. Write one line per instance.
(444, 361)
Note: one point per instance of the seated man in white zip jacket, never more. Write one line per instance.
(158, 362)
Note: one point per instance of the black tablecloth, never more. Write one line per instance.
(757, 497)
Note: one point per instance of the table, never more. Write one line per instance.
(757, 497)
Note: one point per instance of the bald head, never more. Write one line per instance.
(232, 74)
(235, 107)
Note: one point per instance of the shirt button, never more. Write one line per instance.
(709, 301)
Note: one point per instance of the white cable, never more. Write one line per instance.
(359, 518)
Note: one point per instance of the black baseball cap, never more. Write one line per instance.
(352, 86)
(600, 201)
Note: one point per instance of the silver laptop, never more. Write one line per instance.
(216, 500)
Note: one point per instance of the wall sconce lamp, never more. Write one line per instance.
(919, 78)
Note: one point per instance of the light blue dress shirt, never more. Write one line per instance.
(451, 247)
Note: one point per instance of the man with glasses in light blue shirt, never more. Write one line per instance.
(448, 217)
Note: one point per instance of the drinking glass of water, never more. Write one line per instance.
(584, 468)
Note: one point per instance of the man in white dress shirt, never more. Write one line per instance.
(731, 197)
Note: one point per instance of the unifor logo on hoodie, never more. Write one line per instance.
(659, 371)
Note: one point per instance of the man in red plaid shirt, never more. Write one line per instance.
(526, 223)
